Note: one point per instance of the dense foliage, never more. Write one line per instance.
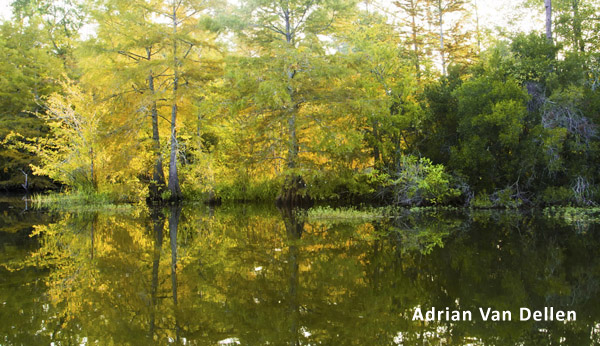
(327, 99)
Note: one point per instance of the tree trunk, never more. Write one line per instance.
(415, 33)
(292, 192)
(548, 5)
(174, 187)
(157, 185)
(477, 28)
(578, 43)
(293, 145)
(376, 152)
(442, 48)
(290, 73)
(92, 173)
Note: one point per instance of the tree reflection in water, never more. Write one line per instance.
(260, 275)
(158, 223)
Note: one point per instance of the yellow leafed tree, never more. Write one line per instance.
(86, 149)
(72, 154)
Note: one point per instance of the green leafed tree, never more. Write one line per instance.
(59, 22)
(28, 74)
(384, 88)
(576, 22)
(286, 42)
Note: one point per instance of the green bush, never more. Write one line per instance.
(419, 182)
(557, 195)
(504, 198)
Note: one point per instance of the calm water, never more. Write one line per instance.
(254, 275)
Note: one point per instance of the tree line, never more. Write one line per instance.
(412, 103)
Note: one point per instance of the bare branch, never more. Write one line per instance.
(133, 56)
(304, 12)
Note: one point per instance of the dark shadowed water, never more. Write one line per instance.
(253, 275)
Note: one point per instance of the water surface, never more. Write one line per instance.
(255, 275)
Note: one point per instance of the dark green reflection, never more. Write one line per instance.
(258, 275)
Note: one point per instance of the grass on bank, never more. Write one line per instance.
(78, 200)
(345, 213)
